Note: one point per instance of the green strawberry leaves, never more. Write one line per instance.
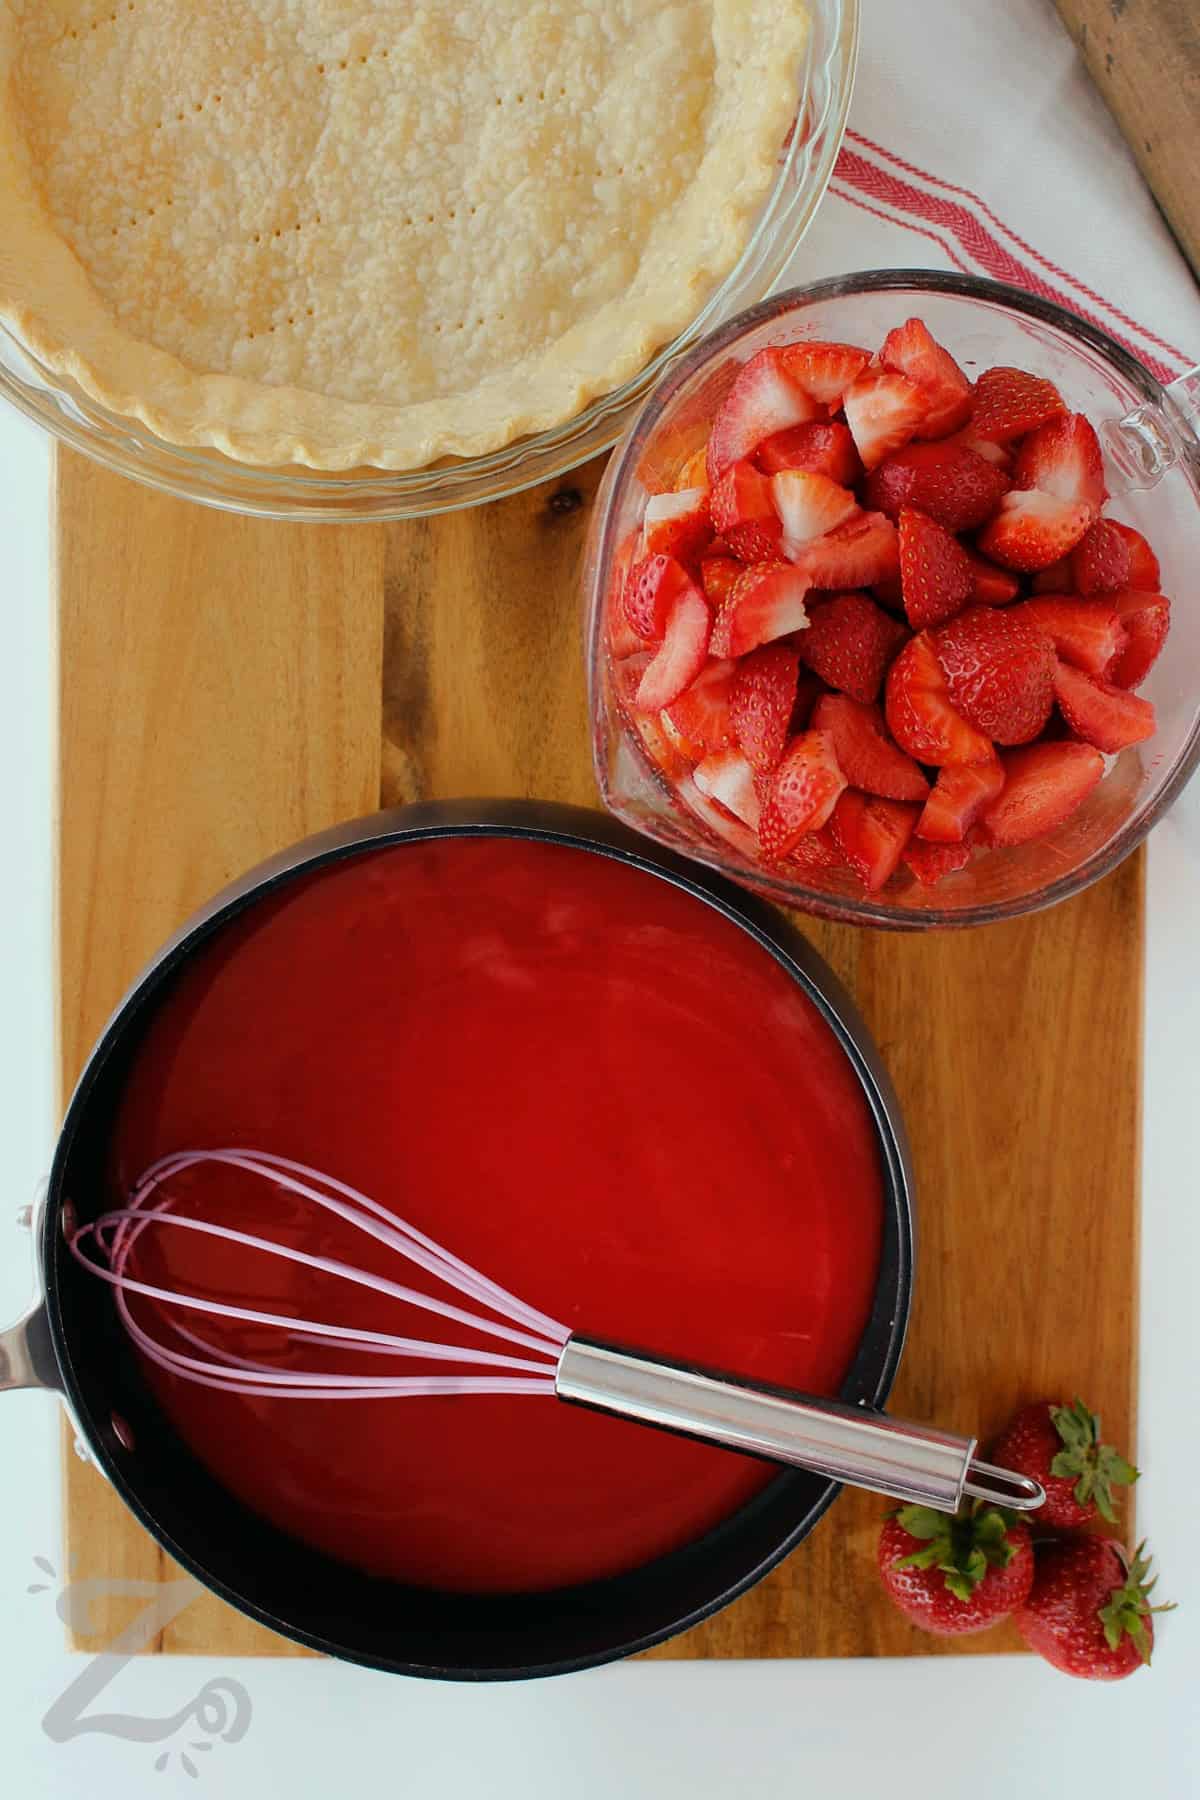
(964, 1547)
(1098, 1467)
(1129, 1605)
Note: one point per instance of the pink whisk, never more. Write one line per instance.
(845, 1443)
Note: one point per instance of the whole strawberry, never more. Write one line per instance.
(1089, 1612)
(955, 1575)
(1060, 1446)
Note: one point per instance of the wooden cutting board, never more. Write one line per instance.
(227, 686)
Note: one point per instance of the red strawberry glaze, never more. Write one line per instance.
(588, 1084)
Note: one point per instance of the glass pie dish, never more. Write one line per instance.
(1151, 438)
(294, 492)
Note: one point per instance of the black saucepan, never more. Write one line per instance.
(72, 1342)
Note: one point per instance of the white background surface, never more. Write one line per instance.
(991, 1727)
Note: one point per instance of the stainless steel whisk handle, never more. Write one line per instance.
(914, 1463)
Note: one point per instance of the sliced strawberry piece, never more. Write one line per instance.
(1101, 713)
(999, 455)
(1088, 633)
(919, 713)
(1146, 619)
(871, 834)
(727, 777)
(959, 795)
(694, 472)
(1143, 564)
(1043, 784)
(991, 586)
(743, 513)
(883, 411)
(677, 524)
(658, 743)
(717, 576)
(825, 370)
(803, 793)
(653, 586)
(766, 602)
(681, 656)
(822, 449)
(1032, 529)
(866, 754)
(716, 818)
(701, 715)
(816, 850)
(999, 670)
(762, 702)
(1062, 457)
(954, 486)
(1058, 578)
(1100, 560)
(850, 642)
(935, 571)
(1008, 403)
(809, 506)
(930, 862)
(948, 399)
(857, 554)
(765, 398)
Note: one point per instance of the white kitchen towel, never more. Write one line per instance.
(978, 142)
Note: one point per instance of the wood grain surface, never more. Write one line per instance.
(227, 686)
(1144, 56)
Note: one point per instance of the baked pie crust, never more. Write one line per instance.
(337, 233)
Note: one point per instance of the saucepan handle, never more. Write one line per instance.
(868, 1449)
(27, 1358)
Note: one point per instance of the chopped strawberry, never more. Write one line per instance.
(764, 399)
(920, 715)
(803, 793)
(766, 602)
(1088, 633)
(883, 411)
(623, 640)
(694, 472)
(1143, 564)
(1101, 713)
(871, 834)
(1008, 403)
(809, 506)
(682, 654)
(857, 554)
(1058, 578)
(1043, 784)
(1062, 457)
(727, 777)
(954, 486)
(1032, 529)
(816, 850)
(743, 514)
(912, 351)
(1146, 619)
(991, 586)
(825, 370)
(929, 862)
(716, 818)
(959, 795)
(935, 571)
(762, 702)
(850, 642)
(999, 455)
(717, 576)
(660, 747)
(701, 715)
(866, 755)
(677, 524)
(653, 586)
(999, 670)
(823, 449)
(1100, 560)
